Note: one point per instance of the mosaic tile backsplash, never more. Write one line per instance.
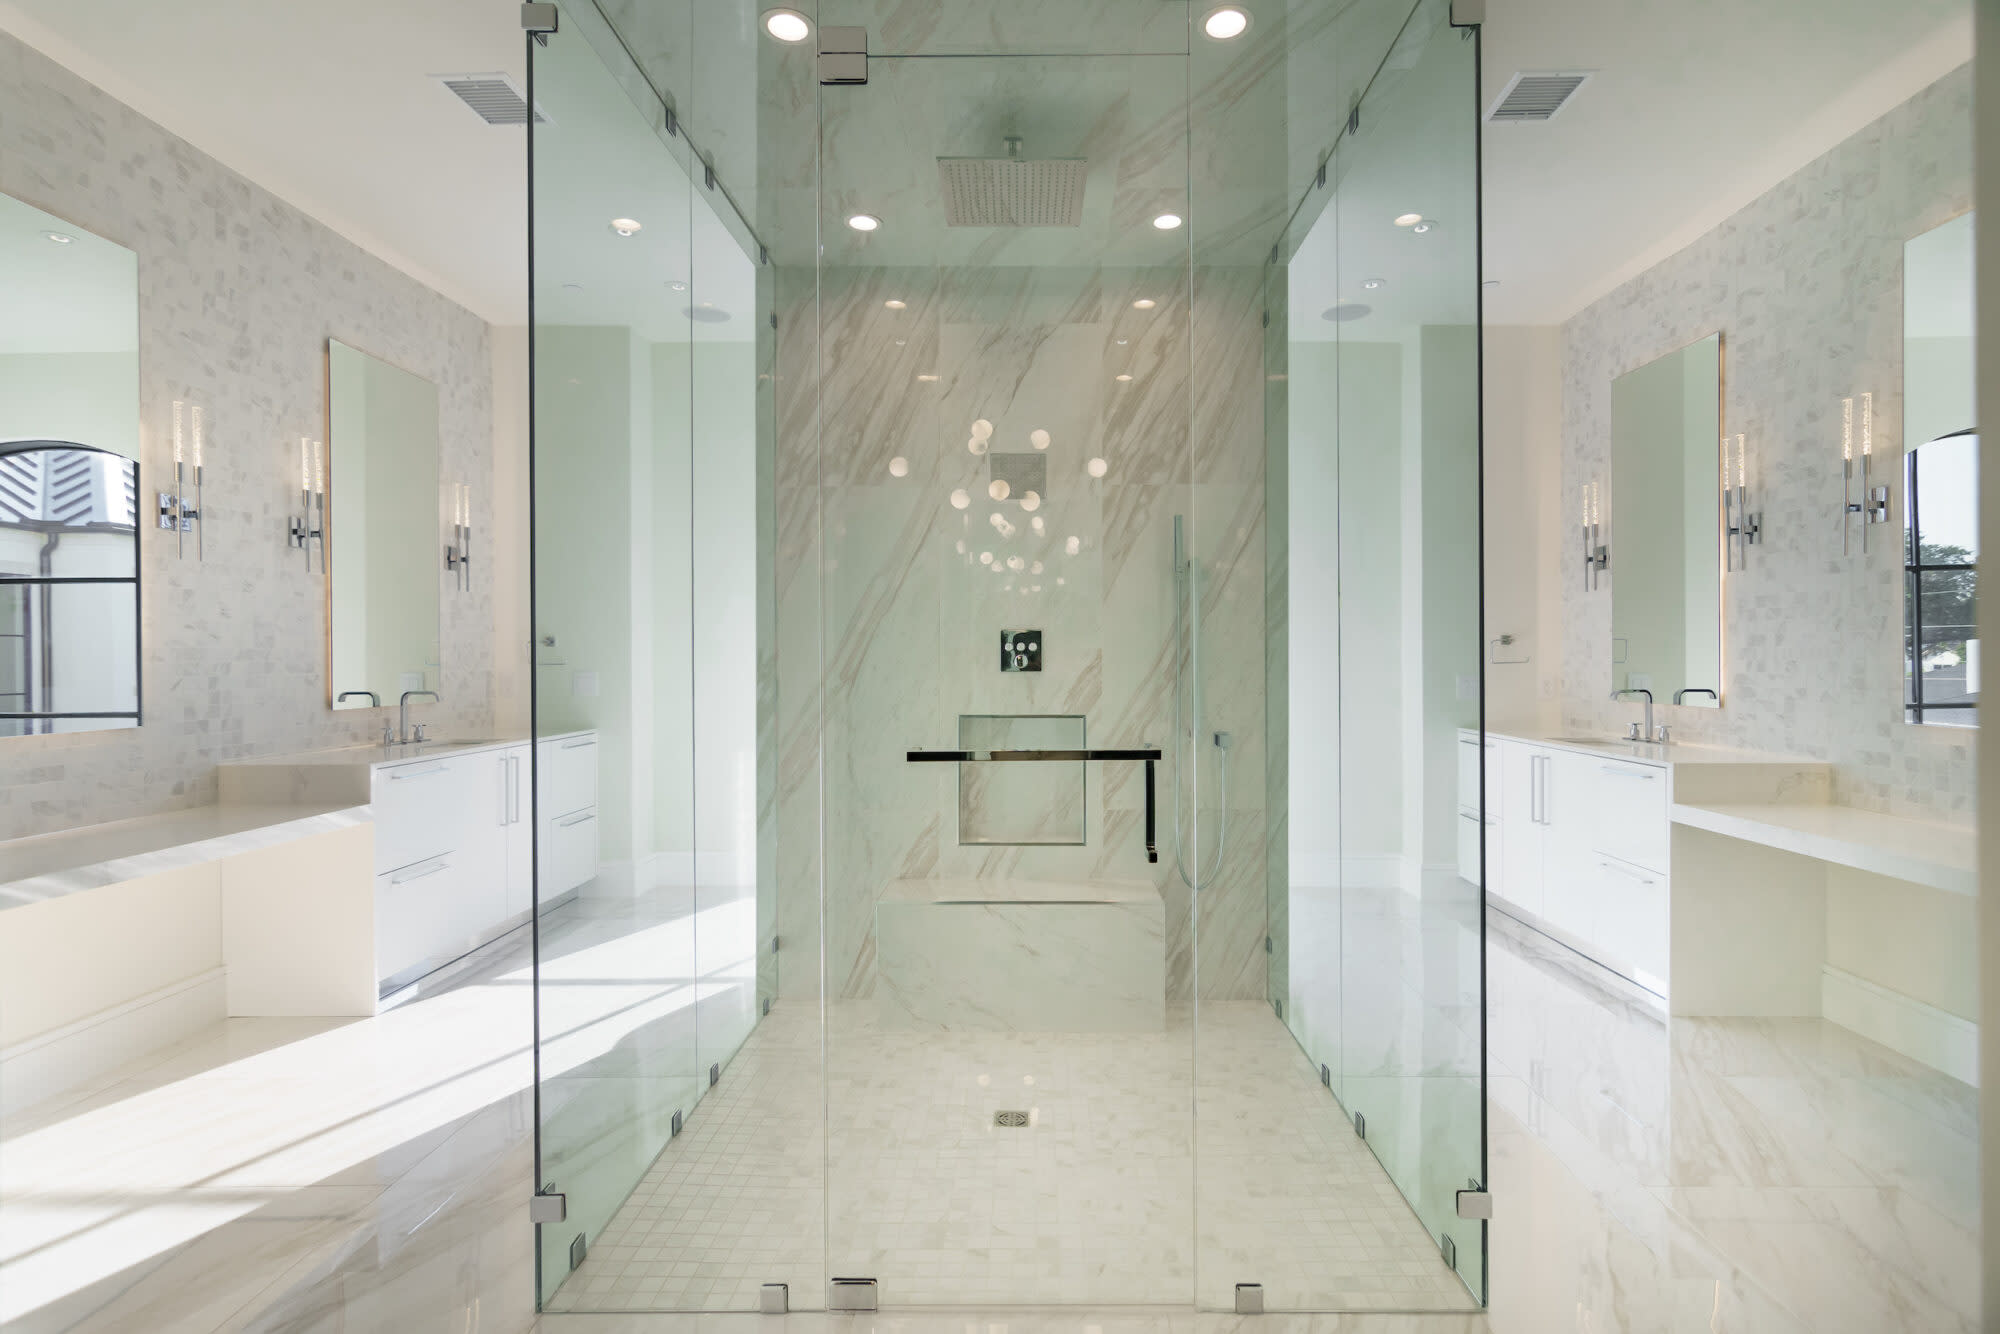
(1805, 285)
(238, 293)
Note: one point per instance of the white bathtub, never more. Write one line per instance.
(1062, 956)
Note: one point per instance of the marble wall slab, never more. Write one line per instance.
(897, 567)
(1805, 285)
(238, 294)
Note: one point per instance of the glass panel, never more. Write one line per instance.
(1406, 317)
(1021, 802)
(986, 28)
(1949, 645)
(1004, 446)
(70, 649)
(618, 985)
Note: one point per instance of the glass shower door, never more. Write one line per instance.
(1003, 450)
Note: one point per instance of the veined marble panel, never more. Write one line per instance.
(1021, 956)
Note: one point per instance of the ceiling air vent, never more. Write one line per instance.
(495, 97)
(1536, 95)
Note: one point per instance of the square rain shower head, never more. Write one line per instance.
(1012, 191)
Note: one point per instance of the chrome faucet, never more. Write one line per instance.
(1685, 691)
(374, 700)
(1647, 733)
(403, 714)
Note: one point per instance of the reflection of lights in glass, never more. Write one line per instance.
(1016, 563)
(1006, 529)
(1038, 525)
(975, 446)
(985, 558)
(1072, 545)
(899, 466)
(787, 25)
(996, 518)
(60, 238)
(893, 304)
(961, 546)
(1038, 438)
(1423, 226)
(998, 488)
(959, 500)
(1166, 222)
(927, 379)
(1097, 467)
(864, 222)
(625, 226)
(1060, 581)
(1030, 501)
(1226, 22)
(901, 341)
(1122, 378)
(1408, 219)
(1144, 303)
(1123, 341)
(982, 429)
(1373, 284)
(1036, 568)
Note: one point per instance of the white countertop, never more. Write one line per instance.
(1939, 855)
(48, 866)
(1646, 752)
(375, 754)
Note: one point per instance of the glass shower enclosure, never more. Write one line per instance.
(1006, 529)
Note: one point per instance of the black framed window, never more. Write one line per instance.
(69, 588)
(1941, 657)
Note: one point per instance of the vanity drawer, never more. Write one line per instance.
(419, 913)
(569, 852)
(419, 809)
(1629, 813)
(568, 773)
(1632, 920)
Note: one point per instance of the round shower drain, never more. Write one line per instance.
(1010, 1118)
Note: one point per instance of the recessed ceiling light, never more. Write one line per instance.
(60, 238)
(1408, 219)
(1225, 22)
(1423, 226)
(625, 226)
(1373, 284)
(787, 25)
(1144, 303)
(863, 222)
(677, 285)
(893, 304)
(1123, 341)
(1166, 222)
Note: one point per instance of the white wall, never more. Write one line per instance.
(84, 397)
(238, 293)
(1527, 531)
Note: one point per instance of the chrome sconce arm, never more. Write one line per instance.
(458, 551)
(1596, 555)
(1742, 528)
(309, 524)
(1872, 506)
(178, 513)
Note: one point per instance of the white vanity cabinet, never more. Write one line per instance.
(1580, 849)
(567, 811)
(1473, 757)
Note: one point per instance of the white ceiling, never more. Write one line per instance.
(330, 106)
(1696, 107)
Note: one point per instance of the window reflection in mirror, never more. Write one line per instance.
(1940, 480)
(385, 545)
(1665, 535)
(69, 486)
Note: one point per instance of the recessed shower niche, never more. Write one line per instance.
(1037, 803)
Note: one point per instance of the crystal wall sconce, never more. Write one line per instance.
(178, 513)
(1596, 555)
(309, 524)
(1742, 528)
(1872, 507)
(458, 551)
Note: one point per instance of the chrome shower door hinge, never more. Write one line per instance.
(1475, 1204)
(538, 18)
(1249, 1299)
(774, 1299)
(851, 1294)
(547, 1207)
(843, 55)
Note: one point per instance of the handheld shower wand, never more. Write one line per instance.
(1187, 616)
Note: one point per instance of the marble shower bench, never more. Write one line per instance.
(1039, 956)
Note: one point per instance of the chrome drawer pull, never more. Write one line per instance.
(398, 775)
(1626, 871)
(569, 820)
(578, 741)
(1620, 771)
(419, 871)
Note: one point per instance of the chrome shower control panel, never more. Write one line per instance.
(1020, 650)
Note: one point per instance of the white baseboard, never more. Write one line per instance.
(1921, 1032)
(54, 1062)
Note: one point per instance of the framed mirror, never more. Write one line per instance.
(385, 544)
(1940, 479)
(1666, 526)
(69, 480)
